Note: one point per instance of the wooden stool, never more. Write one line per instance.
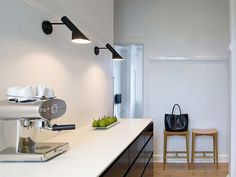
(165, 152)
(205, 132)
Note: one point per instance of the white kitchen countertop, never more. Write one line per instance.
(91, 152)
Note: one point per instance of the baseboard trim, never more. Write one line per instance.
(223, 158)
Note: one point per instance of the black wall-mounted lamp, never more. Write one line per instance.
(77, 35)
(115, 54)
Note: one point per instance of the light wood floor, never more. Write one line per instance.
(195, 170)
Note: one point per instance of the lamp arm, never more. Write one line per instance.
(69, 24)
(57, 23)
(102, 47)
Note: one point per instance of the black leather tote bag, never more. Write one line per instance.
(176, 122)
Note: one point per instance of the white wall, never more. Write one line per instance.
(201, 89)
(177, 28)
(196, 31)
(233, 89)
(29, 57)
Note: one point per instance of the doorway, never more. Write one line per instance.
(128, 82)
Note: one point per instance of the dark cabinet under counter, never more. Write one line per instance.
(136, 159)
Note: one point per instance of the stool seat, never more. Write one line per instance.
(205, 131)
(183, 133)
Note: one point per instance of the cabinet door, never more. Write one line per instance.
(141, 164)
(136, 158)
(140, 142)
(136, 148)
(148, 132)
(148, 150)
(138, 167)
(149, 169)
(148, 153)
(119, 167)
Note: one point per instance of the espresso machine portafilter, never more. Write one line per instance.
(36, 114)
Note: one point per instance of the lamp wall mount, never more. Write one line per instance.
(96, 49)
(47, 27)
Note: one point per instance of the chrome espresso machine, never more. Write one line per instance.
(28, 116)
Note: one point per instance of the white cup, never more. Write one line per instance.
(25, 93)
(40, 91)
(12, 92)
(48, 93)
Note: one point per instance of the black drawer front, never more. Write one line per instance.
(136, 147)
(142, 161)
(140, 142)
(139, 166)
(136, 159)
(149, 169)
(119, 167)
(148, 132)
(148, 150)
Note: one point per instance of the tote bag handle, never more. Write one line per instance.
(174, 109)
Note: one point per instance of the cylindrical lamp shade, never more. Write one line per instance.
(80, 38)
(115, 55)
(77, 35)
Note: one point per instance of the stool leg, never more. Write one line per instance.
(187, 147)
(164, 150)
(216, 146)
(193, 147)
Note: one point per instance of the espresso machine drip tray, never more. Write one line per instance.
(40, 152)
